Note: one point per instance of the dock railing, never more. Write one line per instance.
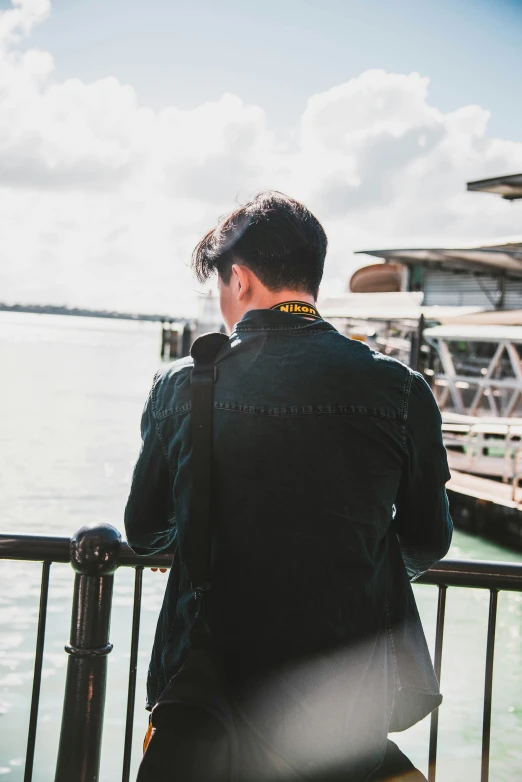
(95, 553)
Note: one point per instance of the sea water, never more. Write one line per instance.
(71, 395)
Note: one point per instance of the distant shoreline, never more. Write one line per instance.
(49, 309)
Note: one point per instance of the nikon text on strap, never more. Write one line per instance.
(298, 308)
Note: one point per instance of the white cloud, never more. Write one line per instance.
(21, 19)
(102, 199)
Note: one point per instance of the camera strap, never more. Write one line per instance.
(298, 308)
(195, 548)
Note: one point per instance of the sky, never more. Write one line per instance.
(128, 128)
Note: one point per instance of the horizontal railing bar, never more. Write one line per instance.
(475, 574)
(36, 548)
(40, 548)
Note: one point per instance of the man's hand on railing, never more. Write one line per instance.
(161, 569)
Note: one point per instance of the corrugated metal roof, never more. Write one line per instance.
(445, 287)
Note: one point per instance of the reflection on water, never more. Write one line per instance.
(71, 397)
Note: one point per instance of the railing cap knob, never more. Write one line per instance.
(95, 550)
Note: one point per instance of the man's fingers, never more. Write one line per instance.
(161, 569)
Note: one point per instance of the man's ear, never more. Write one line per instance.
(242, 278)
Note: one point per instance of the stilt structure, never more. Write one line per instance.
(479, 369)
(175, 342)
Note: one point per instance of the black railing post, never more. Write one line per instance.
(94, 556)
(133, 666)
(488, 685)
(186, 340)
(437, 662)
(163, 339)
(37, 678)
(416, 344)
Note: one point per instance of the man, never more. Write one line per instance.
(328, 496)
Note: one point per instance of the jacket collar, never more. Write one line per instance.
(275, 320)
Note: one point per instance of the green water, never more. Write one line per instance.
(71, 397)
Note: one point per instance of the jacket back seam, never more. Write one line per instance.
(340, 410)
(298, 330)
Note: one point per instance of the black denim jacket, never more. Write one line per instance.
(328, 497)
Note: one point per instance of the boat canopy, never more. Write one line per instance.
(388, 306)
(454, 419)
(500, 255)
(487, 427)
(373, 306)
(468, 333)
(509, 187)
(487, 318)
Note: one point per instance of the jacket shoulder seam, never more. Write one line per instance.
(156, 424)
(405, 406)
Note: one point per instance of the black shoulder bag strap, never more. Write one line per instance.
(195, 553)
(195, 704)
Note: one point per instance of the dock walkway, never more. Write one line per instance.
(484, 489)
(486, 507)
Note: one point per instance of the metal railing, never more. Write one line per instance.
(95, 554)
(476, 574)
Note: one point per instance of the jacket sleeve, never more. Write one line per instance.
(149, 514)
(422, 521)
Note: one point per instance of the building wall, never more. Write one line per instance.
(464, 289)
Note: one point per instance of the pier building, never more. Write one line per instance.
(485, 275)
(464, 333)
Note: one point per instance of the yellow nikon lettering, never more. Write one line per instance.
(299, 308)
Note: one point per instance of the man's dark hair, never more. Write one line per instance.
(273, 235)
